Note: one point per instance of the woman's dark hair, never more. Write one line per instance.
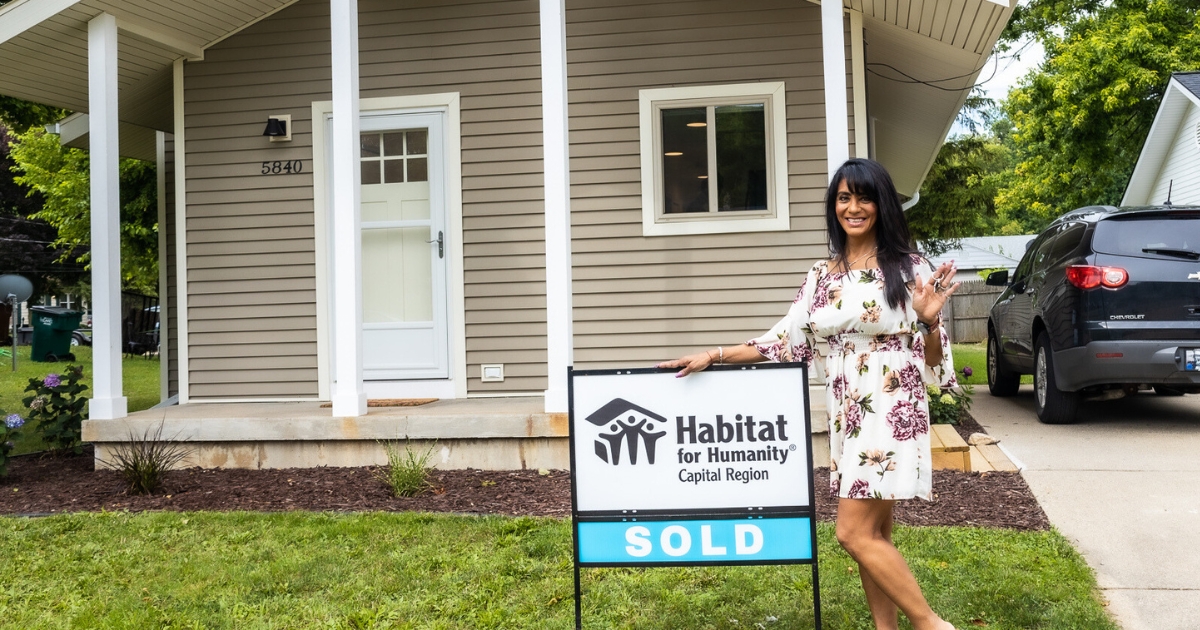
(868, 178)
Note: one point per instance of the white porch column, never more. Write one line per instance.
(349, 397)
(833, 53)
(107, 402)
(555, 156)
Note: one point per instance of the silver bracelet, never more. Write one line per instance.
(721, 358)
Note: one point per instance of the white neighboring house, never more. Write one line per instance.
(1169, 166)
(985, 252)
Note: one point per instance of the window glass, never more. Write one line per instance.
(685, 160)
(1167, 237)
(369, 145)
(393, 171)
(741, 136)
(1066, 242)
(1026, 263)
(370, 172)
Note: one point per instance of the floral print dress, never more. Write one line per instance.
(875, 379)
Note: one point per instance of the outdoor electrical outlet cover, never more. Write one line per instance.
(493, 373)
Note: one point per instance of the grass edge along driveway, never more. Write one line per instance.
(407, 570)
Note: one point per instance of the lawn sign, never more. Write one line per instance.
(711, 469)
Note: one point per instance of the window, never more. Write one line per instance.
(394, 157)
(714, 159)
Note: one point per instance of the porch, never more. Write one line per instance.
(482, 433)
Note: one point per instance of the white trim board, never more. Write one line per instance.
(444, 102)
(164, 332)
(181, 292)
(858, 69)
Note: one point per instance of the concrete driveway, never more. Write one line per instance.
(1124, 486)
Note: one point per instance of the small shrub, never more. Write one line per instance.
(406, 473)
(144, 460)
(947, 407)
(8, 433)
(57, 407)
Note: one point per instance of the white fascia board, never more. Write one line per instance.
(71, 128)
(22, 15)
(1158, 142)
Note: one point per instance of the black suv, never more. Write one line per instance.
(1106, 301)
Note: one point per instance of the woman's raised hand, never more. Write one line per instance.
(690, 363)
(930, 297)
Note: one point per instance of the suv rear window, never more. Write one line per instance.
(1155, 236)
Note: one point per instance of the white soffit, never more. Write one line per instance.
(970, 25)
(1176, 103)
(940, 43)
(43, 48)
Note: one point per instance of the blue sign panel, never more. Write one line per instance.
(722, 541)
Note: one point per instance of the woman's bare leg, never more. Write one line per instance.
(860, 530)
(883, 609)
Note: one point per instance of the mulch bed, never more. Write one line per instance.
(38, 485)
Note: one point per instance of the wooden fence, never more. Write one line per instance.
(967, 313)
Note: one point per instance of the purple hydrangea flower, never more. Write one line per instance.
(52, 380)
(967, 371)
(14, 421)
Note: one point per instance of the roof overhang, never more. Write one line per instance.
(1171, 113)
(136, 141)
(44, 55)
(923, 57)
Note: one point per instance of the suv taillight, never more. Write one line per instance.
(1090, 277)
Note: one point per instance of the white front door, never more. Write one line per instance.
(405, 332)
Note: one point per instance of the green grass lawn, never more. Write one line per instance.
(975, 355)
(141, 378)
(306, 570)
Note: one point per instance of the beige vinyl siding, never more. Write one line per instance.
(251, 238)
(638, 300)
(172, 296)
(1180, 175)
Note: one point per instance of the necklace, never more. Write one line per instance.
(850, 264)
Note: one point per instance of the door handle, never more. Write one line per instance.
(441, 244)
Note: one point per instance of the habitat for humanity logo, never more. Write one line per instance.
(629, 424)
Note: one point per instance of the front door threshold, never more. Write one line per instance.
(443, 389)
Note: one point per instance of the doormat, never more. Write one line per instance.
(393, 402)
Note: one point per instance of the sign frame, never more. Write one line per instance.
(745, 514)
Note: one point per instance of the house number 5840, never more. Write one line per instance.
(278, 168)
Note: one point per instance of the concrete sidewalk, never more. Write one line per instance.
(1121, 484)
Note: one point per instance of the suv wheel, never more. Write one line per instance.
(1054, 406)
(1001, 380)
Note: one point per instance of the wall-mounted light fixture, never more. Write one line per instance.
(279, 128)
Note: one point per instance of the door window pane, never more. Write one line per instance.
(397, 275)
(685, 160)
(370, 172)
(741, 136)
(418, 140)
(393, 171)
(369, 144)
(418, 169)
(393, 143)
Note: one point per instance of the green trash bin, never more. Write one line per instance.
(52, 330)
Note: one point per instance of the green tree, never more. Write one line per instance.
(60, 176)
(1080, 120)
(958, 196)
(19, 115)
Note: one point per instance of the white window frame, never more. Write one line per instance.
(776, 218)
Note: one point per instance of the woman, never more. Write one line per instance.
(877, 303)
